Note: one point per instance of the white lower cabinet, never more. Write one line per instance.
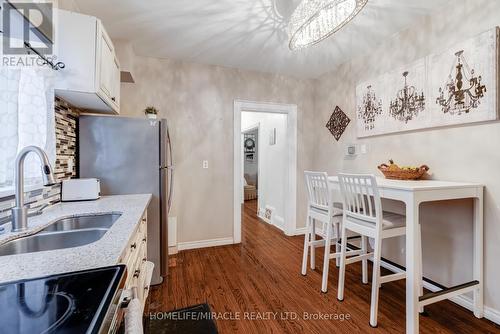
(139, 269)
(138, 274)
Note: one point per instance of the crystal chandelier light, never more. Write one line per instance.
(315, 20)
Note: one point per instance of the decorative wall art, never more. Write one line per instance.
(457, 86)
(369, 108)
(249, 146)
(459, 96)
(338, 123)
(408, 103)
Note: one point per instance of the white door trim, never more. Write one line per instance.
(291, 193)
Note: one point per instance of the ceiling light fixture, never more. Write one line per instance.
(314, 20)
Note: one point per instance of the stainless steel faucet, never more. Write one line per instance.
(20, 212)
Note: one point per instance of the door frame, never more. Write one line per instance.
(290, 110)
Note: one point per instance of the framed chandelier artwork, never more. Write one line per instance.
(457, 86)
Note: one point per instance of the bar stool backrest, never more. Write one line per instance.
(318, 190)
(361, 199)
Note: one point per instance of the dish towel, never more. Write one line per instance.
(133, 317)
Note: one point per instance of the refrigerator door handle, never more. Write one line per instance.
(170, 187)
(170, 168)
(164, 223)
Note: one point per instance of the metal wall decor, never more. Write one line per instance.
(408, 102)
(249, 146)
(461, 82)
(370, 108)
(337, 123)
(464, 91)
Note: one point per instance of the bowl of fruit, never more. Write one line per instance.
(393, 171)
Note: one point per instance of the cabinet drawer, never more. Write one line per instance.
(139, 235)
(131, 250)
(135, 258)
(142, 225)
(136, 268)
(145, 280)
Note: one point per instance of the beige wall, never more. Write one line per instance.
(198, 100)
(67, 5)
(466, 153)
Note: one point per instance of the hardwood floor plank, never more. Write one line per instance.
(261, 278)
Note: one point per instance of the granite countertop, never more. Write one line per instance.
(103, 252)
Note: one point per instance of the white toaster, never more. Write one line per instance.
(80, 190)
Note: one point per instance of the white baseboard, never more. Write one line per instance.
(172, 250)
(303, 230)
(172, 231)
(261, 216)
(491, 314)
(204, 243)
(279, 222)
(464, 301)
(300, 231)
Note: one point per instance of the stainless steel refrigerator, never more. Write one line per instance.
(132, 156)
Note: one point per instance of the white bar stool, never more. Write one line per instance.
(322, 208)
(363, 214)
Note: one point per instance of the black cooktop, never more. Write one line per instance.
(74, 302)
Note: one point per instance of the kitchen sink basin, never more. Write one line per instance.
(53, 240)
(83, 222)
(64, 233)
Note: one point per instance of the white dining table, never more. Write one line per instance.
(412, 194)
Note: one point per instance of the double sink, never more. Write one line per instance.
(64, 233)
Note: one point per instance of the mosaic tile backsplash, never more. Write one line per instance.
(65, 167)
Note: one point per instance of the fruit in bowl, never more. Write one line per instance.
(393, 171)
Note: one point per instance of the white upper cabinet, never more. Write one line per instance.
(91, 78)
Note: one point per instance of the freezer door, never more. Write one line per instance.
(122, 152)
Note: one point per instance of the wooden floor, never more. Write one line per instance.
(261, 278)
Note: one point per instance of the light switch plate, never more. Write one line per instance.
(351, 150)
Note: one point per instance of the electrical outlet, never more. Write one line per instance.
(205, 164)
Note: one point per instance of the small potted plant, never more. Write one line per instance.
(151, 112)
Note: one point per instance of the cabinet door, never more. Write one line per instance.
(115, 83)
(106, 66)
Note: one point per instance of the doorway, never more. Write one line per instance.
(251, 150)
(265, 163)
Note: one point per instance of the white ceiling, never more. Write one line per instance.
(247, 34)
